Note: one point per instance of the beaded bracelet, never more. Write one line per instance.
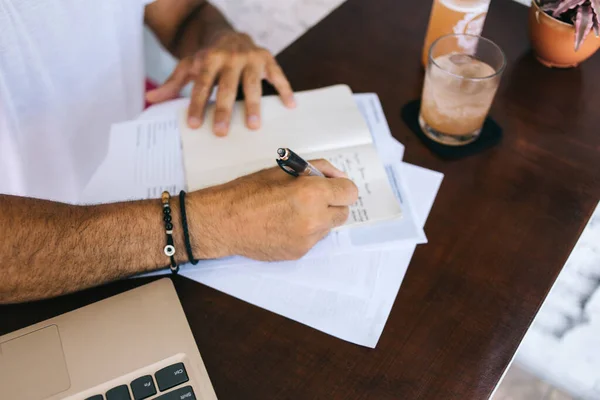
(170, 247)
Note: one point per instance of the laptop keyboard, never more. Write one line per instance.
(144, 387)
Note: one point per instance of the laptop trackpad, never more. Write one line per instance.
(33, 366)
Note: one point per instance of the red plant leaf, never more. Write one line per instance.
(583, 24)
(566, 5)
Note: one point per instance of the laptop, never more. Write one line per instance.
(133, 346)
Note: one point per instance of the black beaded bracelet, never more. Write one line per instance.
(170, 247)
(186, 233)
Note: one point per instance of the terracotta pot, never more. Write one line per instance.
(553, 41)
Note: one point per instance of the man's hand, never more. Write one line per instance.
(231, 58)
(270, 215)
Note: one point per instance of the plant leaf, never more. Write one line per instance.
(596, 17)
(583, 24)
(550, 5)
(566, 5)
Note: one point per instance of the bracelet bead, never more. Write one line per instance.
(169, 249)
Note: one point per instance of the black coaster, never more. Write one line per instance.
(490, 135)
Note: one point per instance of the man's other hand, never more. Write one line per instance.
(230, 59)
(270, 215)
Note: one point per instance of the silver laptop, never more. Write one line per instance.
(136, 345)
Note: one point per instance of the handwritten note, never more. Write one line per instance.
(352, 165)
(376, 199)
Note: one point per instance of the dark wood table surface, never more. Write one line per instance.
(499, 233)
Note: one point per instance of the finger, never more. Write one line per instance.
(228, 83)
(277, 78)
(252, 94)
(339, 215)
(173, 85)
(342, 192)
(328, 169)
(201, 93)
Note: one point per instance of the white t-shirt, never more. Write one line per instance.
(68, 70)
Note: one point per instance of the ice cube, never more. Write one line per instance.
(464, 65)
(461, 59)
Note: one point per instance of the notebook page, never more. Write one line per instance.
(376, 200)
(324, 119)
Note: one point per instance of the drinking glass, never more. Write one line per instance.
(460, 86)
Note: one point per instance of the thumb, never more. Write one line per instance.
(172, 86)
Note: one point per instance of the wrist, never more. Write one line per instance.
(207, 225)
(227, 36)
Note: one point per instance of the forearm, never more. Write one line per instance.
(48, 249)
(202, 27)
(51, 248)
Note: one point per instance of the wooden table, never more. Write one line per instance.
(500, 230)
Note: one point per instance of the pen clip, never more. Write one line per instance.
(286, 169)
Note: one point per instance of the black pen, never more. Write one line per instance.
(295, 165)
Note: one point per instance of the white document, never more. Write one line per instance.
(357, 318)
(325, 124)
(372, 112)
(352, 273)
(143, 160)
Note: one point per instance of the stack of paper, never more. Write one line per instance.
(347, 284)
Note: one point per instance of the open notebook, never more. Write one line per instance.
(325, 124)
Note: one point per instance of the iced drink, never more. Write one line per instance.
(458, 93)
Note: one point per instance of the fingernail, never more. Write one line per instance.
(194, 122)
(220, 127)
(291, 102)
(253, 121)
